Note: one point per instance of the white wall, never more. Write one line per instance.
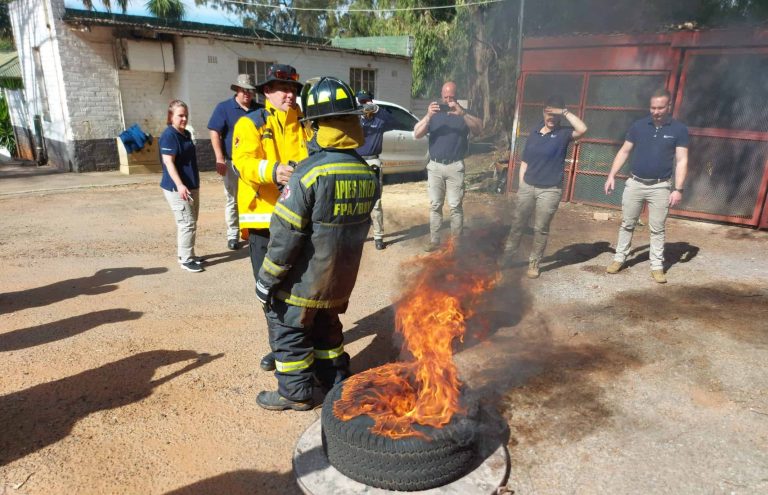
(78, 71)
(145, 97)
(34, 29)
(91, 82)
(203, 84)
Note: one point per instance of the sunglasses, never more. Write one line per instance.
(285, 75)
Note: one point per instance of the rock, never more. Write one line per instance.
(601, 216)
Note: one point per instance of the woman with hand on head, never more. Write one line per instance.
(181, 182)
(541, 179)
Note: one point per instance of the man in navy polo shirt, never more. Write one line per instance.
(221, 125)
(448, 125)
(659, 148)
(375, 121)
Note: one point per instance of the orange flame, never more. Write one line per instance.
(425, 389)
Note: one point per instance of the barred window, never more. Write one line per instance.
(255, 68)
(363, 80)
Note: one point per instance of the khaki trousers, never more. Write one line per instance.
(657, 198)
(230, 206)
(445, 183)
(543, 203)
(185, 213)
(377, 214)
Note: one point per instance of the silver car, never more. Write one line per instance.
(400, 152)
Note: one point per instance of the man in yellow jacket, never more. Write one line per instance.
(265, 143)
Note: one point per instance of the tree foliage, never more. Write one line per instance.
(167, 9)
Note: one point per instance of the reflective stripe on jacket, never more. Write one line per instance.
(262, 139)
(318, 229)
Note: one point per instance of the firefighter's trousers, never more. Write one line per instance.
(307, 343)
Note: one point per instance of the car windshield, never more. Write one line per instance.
(403, 120)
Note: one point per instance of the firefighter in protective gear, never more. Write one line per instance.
(320, 223)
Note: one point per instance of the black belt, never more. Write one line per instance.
(649, 182)
(370, 157)
(446, 161)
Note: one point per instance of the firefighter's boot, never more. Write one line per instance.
(273, 401)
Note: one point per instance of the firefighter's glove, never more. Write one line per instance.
(264, 295)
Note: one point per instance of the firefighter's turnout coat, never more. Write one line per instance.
(261, 140)
(318, 229)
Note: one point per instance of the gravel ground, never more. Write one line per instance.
(122, 373)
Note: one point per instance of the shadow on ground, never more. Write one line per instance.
(100, 282)
(674, 253)
(574, 254)
(244, 482)
(44, 414)
(62, 329)
(214, 259)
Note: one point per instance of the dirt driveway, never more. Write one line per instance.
(121, 373)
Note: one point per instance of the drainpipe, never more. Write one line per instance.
(516, 122)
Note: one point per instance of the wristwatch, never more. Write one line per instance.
(680, 190)
(565, 112)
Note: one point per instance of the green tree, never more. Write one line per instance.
(168, 9)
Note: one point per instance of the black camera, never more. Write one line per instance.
(444, 107)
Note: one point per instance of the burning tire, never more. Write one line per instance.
(407, 464)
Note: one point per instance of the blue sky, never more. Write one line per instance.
(193, 13)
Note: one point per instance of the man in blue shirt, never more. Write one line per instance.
(659, 164)
(375, 122)
(221, 125)
(449, 126)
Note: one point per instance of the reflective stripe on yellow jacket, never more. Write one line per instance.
(261, 140)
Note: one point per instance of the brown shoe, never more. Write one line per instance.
(614, 267)
(533, 269)
(432, 246)
(658, 276)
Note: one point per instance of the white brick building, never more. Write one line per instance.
(89, 75)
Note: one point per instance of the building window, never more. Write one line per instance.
(255, 68)
(363, 80)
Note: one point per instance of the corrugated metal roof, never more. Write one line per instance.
(87, 17)
(9, 65)
(396, 45)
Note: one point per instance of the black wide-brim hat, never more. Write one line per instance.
(281, 73)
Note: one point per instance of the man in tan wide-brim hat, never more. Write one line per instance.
(221, 128)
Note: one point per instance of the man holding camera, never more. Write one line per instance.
(448, 125)
(375, 121)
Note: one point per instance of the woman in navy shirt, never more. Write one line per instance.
(181, 182)
(541, 179)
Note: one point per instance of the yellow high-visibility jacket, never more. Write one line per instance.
(261, 140)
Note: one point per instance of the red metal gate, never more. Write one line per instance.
(722, 96)
(723, 99)
(613, 101)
